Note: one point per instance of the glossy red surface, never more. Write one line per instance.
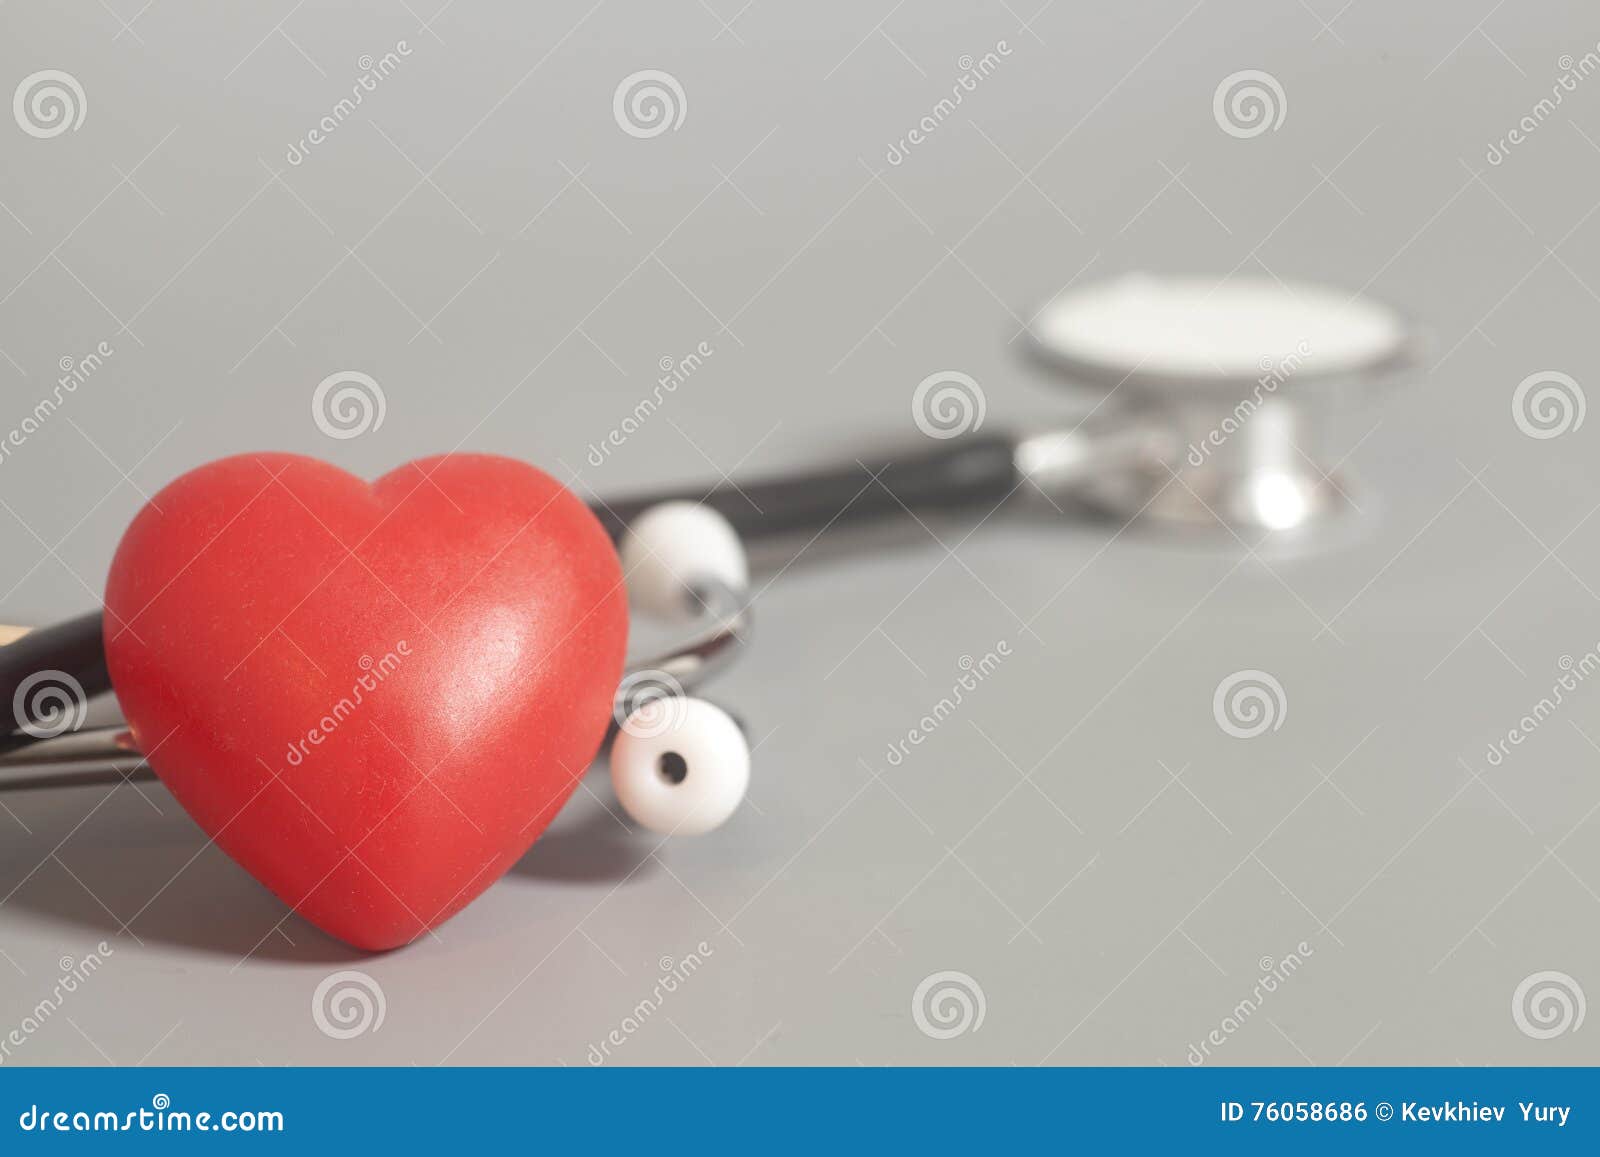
(373, 697)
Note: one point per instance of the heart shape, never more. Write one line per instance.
(373, 697)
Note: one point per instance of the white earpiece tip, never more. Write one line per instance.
(680, 766)
(671, 547)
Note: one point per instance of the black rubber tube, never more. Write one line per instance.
(966, 471)
(53, 659)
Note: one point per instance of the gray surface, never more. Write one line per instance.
(1037, 842)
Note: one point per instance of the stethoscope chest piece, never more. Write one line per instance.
(1235, 379)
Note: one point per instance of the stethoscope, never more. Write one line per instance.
(1207, 420)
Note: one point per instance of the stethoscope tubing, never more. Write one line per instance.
(962, 471)
(971, 470)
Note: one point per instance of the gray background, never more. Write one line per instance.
(1081, 839)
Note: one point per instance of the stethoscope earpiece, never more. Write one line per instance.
(680, 765)
(674, 549)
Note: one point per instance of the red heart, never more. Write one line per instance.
(373, 697)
